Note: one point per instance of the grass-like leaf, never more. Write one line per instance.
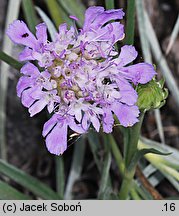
(10, 61)
(94, 143)
(74, 7)
(147, 56)
(105, 176)
(160, 60)
(51, 28)
(77, 165)
(109, 4)
(56, 12)
(12, 14)
(7, 192)
(140, 153)
(173, 36)
(30, 14)
(27, 181)
(130, 25)
(167, 166)
(171, 160)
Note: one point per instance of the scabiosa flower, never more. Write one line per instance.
(80, 78)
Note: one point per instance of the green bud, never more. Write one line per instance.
(151, 95)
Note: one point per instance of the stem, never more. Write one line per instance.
(60, 177)
(117, 154)
(134, 194)
(131, 136)
(126, 184)
(130, 22)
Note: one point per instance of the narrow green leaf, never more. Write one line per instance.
(171, 160)
(116, 152)
(159, 125)
(55, 11)
(142, 192)
(168, 172)
(173, 36)
(142, 31)
(30, 14)
(77, 165)
(60, 177)
(147, 56)
(94, 143)
(7, 46)
(109, 4)
(7, 192)
(10, 61)
(105, 176)
(27, 181)
(51, 28)
(140, 153)
(167, 166)
(130, 26)
(74, 7)
(160, 60)
(120, 163)
(134, 194)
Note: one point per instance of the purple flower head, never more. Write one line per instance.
(81, 79)
(99, 34)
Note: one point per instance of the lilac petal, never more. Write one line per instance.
(76, 127)
(90, 15)
(95, 122)
(26, 99)
(37, 93)
(128, 94)
(128, 54)
(45, 74)
(41, 33)
(62, 28)
(107, 16)
(50, 106)
(127, 115)
(30, 70)
(23, 83)
(56, 141)
(45, 59)
(26, 54)
(78, 115)
(85, 122)
(128, 97)
(111, 32)
(108, 120)
(49, 125)
(37, 107)
(19, 33)
(140, 73)
(118, 31)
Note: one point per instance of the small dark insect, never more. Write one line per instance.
(106, 81)
(25, 35)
